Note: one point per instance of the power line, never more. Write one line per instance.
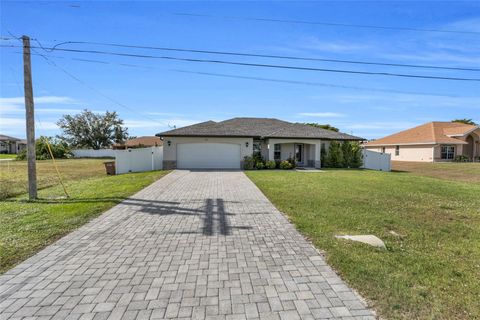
(325, 23)
(243, 54)
(52, 63)
(320, 84)
(264, 65)
(296, 82)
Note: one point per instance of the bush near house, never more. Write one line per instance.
(270, 164)
(461, 158)
(342, 155)
(60, 149)
(285, 165)
(248, 163)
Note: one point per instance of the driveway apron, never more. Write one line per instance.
(193, 245)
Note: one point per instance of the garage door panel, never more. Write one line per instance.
(208, 156)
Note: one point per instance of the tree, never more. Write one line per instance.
(334, 157)
(323, 126)
(357, 156)
(466, 121)
(58, 147)
(92, 130)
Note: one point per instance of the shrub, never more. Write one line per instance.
(59, 148)
(270, 164)
(259, 165)
(357, 156)
(248, 163)
(352, 154)
(292, 162)
(461, 158)
(323, 155)
(334, 157)
(285, 165)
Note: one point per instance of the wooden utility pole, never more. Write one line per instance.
(31, 156)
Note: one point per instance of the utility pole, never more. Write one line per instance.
(31, 156)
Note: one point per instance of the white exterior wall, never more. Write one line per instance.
(420, 153)
(138, 160)
(170, 151)
(90, 153)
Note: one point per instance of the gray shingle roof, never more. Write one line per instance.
(257, 128)
(7, 138)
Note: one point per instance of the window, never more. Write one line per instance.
(383, 149)
(448, 152)
(257, 148)
(397, 150)
(277, 152)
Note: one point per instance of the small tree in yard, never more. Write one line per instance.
(347, 153)
(92, 130)
(58, 147)
(334, 157)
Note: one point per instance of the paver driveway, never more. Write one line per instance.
(192, 245)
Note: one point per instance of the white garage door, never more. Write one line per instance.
(208, 156)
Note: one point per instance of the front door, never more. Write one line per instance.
(299, 154)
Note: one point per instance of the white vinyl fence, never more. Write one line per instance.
(90, 153)
(138, 160)
(376, 160)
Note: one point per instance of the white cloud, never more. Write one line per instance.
(17, 104)
(18, 125)
(322, 114)
(313, 43)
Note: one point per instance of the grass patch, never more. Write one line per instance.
(454, 171)
(7, 156)
(430, 271)
(13, 174)
(27, 227)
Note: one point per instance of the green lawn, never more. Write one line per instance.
(7, 156)
(456, 171)
(431, 269)
(13, 174)
(27, 227)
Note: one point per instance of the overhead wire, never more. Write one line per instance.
(256, 55)
(326, 23)
(233, 76)
(265, 65)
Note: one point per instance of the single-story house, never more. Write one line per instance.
(140, 142)
(431, 142)
(225, 144)
(11, 145)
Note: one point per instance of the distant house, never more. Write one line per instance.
(431, 142)
(140, 142)
(11, 145)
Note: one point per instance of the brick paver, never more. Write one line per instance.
(193, 245)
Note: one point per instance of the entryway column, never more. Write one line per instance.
(318, 150)
(271, 150)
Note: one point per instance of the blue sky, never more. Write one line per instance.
(157, 93)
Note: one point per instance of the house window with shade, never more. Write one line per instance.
(397, 150)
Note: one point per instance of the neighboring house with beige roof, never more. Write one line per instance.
(431, 142)
(140, 142)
